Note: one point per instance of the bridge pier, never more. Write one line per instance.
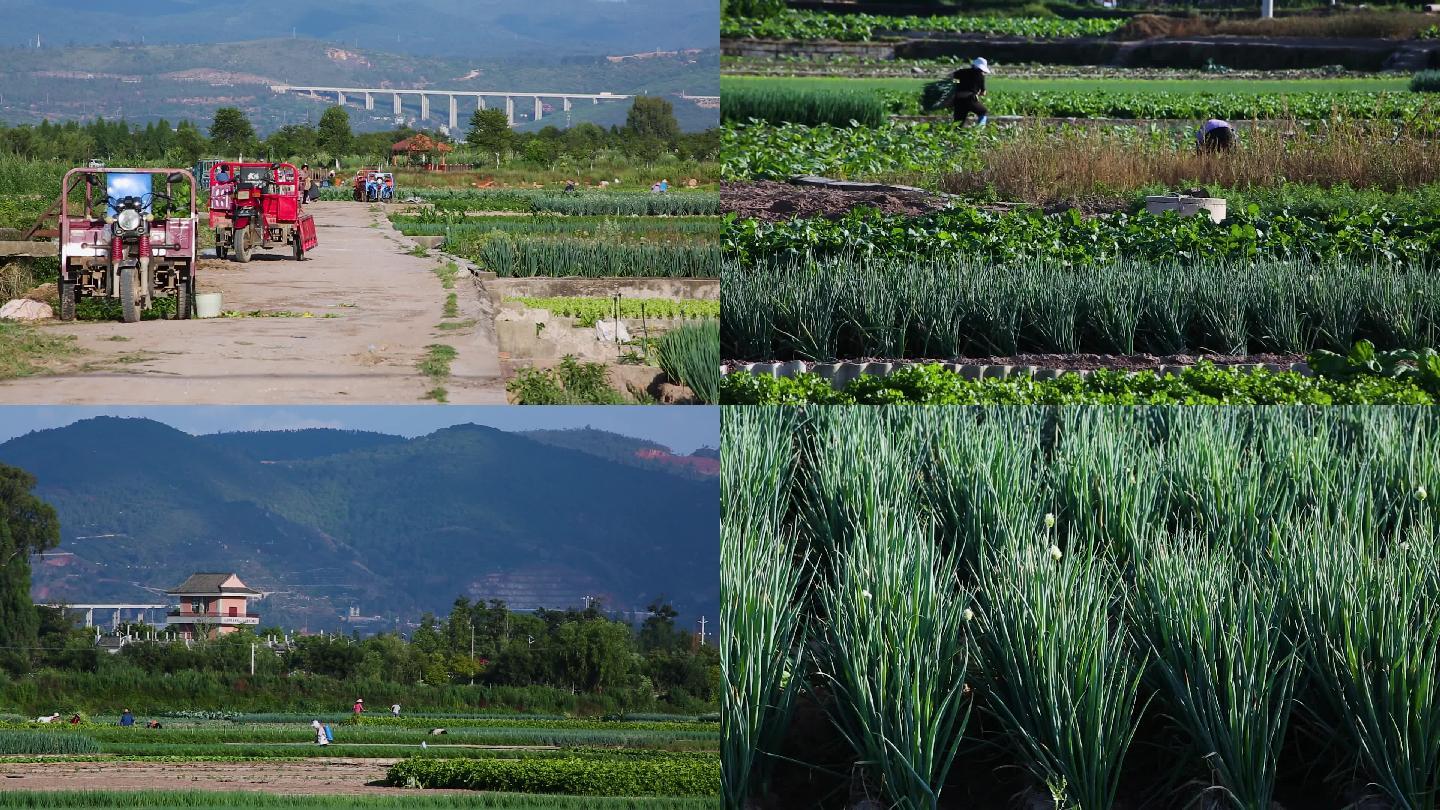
(424, 107)
(340, 97)
(454, 113)
(369, 101)
(566, 102)
(510, 109)
(480, 102)
(90, 617)
(399, 111)
(539, 109)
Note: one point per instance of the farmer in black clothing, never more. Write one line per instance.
(969, 87)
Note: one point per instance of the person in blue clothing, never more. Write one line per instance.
(127, 719)
(222, 174)
(1215, 136)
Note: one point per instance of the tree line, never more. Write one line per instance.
(569, 652)
(650, 133)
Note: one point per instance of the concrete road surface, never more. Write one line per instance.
(373, 311)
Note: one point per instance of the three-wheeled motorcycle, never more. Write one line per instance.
(257, 205)
(122, 238)
(373, 186)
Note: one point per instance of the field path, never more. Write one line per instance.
(383, 306)
(314, 776)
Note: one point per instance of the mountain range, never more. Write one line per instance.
(143, 83)
(325, 521)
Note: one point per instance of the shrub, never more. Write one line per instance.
(1426, 81)
(570, 383)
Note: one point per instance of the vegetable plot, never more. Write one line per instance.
(1126, 604)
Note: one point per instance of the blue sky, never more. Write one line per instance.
(682, 429)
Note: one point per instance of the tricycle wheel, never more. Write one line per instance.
(129, 310)
(183, 298)
(221, 249)
(299, 246)
(242, 246)
(69, 290)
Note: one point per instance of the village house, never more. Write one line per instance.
(211, 605)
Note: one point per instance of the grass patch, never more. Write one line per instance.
(420, 251)
(451, 326)
(25, 350)
(452, 306)
(447, 273)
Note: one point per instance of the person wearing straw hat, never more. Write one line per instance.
(969, 88)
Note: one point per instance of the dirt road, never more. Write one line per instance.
(311, 776)
(372, 311)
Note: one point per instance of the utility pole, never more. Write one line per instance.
(1267, 9)
(472, 653)
(702, 630)
(252, 659)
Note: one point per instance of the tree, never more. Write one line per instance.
(652, 117)
(189, 144)
(292, 140)
(490, 132)
(231, 132)
(28, 525)
(335, 135)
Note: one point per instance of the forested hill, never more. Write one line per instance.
(333, 519)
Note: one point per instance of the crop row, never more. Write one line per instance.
(947, 306)
(508, 257)
(608, 203)
(793, 24)
(1094, 604)
(1201, 384)
(621, 229)
(674, 775)
(778, 104)
(690, 356)
(36, 742)
(298, 733)
(1085, 160)
(587, 311)
(247, 799)
(1074, 240)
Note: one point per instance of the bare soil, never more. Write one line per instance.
(310, 777)
(1089, 362)
(353, 321)
(773, 201)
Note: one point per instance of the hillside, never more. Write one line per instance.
(393, 527)
(144, 83)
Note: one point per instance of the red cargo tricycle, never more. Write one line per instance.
(124, 239)
(258, 205)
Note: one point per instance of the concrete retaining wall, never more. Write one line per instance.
(679, 288)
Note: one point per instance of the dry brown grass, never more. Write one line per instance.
(1353, 24)
(1041, 165)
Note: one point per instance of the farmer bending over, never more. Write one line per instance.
(969, 87)
(1215, 136)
